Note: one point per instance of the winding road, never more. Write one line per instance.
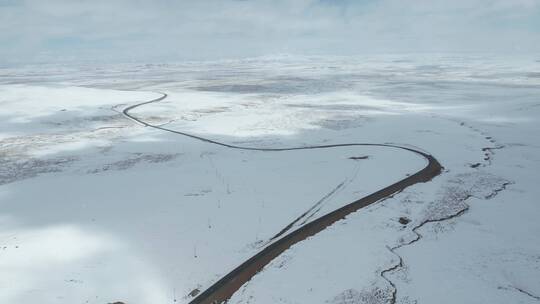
(223, 289)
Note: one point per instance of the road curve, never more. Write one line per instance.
(223, 289)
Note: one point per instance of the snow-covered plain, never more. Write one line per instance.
(98, 209)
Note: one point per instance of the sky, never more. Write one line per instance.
(169, 30)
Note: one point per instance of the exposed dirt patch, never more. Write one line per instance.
(126, 164)
(373, 295)
(475, 165)
(342, 122)
(194, 292)
(358, 157)
(12, 170)
(404, 220)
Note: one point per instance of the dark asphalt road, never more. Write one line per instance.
(223, 289)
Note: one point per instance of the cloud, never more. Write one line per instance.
(119, 30)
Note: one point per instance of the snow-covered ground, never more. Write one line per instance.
(96, 208)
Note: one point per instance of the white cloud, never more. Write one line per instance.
(173, 30)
